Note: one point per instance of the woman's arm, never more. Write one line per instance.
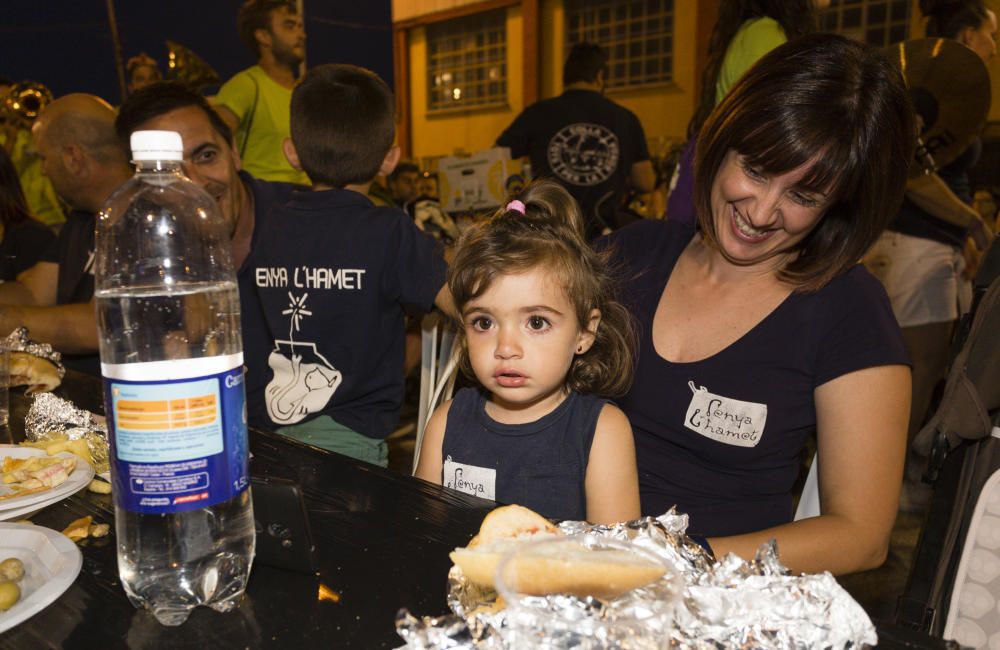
(861, 420)
(612, 481)
(429, 465)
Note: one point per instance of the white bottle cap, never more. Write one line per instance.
(157, 145)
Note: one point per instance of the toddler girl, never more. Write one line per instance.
(543, 338)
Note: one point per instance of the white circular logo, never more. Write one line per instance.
(584, 154)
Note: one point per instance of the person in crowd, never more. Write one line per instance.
(23, 238)
(427, 185)
(587, 143)
(919, 258)
(331, 299)
(211, 161)
(760, 329)
(15, 132)
(255, 102)
(402, 183)
(398, 188)
(141, 71)
(985, 203)
(745, 31)
(544, 340)
(79, 153)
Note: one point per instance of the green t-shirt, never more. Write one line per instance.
(43, 202)
(263, 107)
(754, 39)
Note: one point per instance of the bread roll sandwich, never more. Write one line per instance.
(564, 566)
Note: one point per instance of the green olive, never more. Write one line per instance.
(10, 593)
(11, 569)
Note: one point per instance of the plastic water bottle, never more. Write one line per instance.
(171, 355)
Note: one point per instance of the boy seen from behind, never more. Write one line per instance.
(337, 274)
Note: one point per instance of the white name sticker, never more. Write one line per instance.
(726, 420)
(477, 481)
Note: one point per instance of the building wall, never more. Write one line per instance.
(444, 133)
(664, 110)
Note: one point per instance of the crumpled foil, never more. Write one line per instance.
(18, 341)
(51, 417)
(731, 603)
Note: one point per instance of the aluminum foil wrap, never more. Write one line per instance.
(730, 603)
(18, 341)
(51, 417)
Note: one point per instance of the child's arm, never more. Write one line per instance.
(612, 482)
(429, 466)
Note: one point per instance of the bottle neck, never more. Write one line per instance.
(158, 166)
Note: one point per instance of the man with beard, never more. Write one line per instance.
(211, 161)
(255, 102)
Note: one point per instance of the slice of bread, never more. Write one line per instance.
(567, 567)
(501, 529)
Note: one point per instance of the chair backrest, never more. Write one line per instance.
(809, 499)
(438, 366)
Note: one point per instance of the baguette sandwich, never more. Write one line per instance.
(565, 567)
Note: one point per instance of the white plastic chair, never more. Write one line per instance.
(809, 499)
(438, 365)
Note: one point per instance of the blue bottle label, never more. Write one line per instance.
(178, 442)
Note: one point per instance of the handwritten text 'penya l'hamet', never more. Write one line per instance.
(305, 277)
(717, 421)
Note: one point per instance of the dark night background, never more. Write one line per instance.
(67, 44)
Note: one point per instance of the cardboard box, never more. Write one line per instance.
(478, 182)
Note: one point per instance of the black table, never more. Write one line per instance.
(383, 540)
(383, 544)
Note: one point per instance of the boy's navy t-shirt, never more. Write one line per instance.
(722, 438)
(333, 274)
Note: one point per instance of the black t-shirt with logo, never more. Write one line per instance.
(722, 438)
(584, 141)
(323, 293)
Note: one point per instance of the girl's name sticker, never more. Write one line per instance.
(726, 420)
(477, 481)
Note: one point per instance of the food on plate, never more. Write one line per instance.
(35, 365)
(10, 593)
(38, 374)
(501, 529)
(11, 572)
(58, 444)
(99, 486)
(11, 569)
(84, 527)
(35, 474)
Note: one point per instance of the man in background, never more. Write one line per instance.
(255, 102)
(82, 157)
(590, 145)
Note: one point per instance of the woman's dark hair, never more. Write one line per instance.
(836, 105)
(796, 18)
(550, 234)
(947, 18)
(13, 206)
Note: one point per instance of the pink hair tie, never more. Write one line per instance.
(516, 206)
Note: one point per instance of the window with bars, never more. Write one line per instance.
(876, 22)
(467, 62)
(637, 34)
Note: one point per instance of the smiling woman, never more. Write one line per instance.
(760, 330)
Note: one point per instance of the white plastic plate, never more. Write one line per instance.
(78, 480)
(51, 563)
